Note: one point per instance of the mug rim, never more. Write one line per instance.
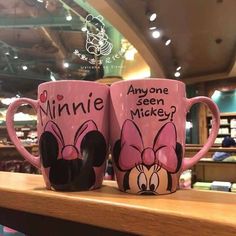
(72, 81)
(147, 79)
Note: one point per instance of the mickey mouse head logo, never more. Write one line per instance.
(97, 43)
(71, 166)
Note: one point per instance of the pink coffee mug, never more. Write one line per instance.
(148, 119)
(72, 127)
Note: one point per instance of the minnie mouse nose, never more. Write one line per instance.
(148, 156)
(69, 152)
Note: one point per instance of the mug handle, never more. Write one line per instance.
(34, 160)
(189, 162)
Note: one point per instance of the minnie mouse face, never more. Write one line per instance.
(71, 166)
(147, 170)
(146, 180)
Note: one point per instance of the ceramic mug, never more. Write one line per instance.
(148, 119)
(72, 128)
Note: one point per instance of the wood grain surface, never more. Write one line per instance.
(186, 212)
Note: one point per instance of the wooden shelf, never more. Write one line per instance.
(207, 170)
(221, 125)
(3, 146)
(224, 114)
(197, 148)
(186, 212)
(223, 135)
(210, 160)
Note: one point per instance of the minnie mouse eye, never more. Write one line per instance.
(154, 181)
(142, 182)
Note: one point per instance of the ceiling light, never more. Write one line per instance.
(40, 0)
(66, 64)
(178, 68)
(177, 74)
(15, 56)
(152, 16)
(24, 67)
(68, 16)
(168, 41)
(156, 34)
(152, 27)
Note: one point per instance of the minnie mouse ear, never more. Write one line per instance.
(48, 148)
(116, 153)
(179, 153)
(86, 127)
(93, 148)
(91, 143)
(50, 143)
(89, 17)
(99, 17)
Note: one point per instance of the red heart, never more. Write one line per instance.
(43, 96)
(60, 97)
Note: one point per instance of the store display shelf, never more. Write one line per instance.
(210, 160)
(186, 212)
(228, 124)
(2, 146)
(227, 134)
(224, 114)
(195, 148)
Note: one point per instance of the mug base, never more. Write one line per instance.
(70, 188)
(149, 193)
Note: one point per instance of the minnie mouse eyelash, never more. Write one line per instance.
(157, 167)
(139, 167)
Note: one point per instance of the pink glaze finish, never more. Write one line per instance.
(148, 119)
(72, 132)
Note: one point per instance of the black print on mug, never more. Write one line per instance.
(71, 166)
(148, 170)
